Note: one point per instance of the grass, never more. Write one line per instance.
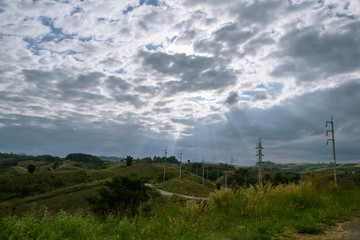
(70, 199)
(253, 213)
(186, 187)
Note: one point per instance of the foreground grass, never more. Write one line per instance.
(253, 213)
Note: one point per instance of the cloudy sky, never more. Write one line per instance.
(202, 77)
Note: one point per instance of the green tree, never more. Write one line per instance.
(121, 196)
(31, 168)
(129, 160)
(56, 165)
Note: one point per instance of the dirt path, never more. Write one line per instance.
(352, 229)
(343, 231)
(170, 193)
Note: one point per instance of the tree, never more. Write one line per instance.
(129, 160)
(31, 168)
(121, 196)
(56, 165)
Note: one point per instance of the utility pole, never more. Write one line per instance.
(180, 165)
(225, 173)
(165, 164)
(260, 155)
(333, 142)
(203, 170)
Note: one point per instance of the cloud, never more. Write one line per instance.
(191, 73)
(198, 75)
(232, 99)
(309, 55)
(291, 131)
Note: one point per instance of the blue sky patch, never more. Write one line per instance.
(85, 39)
(195, 99)
(149, 2)
(128, 9)
(153, 47)
(120, 71)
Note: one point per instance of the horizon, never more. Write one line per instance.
(200, 77)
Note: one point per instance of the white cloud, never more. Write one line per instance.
(203, 61)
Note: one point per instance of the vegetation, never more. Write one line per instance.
(248, 213)
(121, 196)
(22, 185)
(129, 160)
(31, 168)
(51, 204)
(309, 167)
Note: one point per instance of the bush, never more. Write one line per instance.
(159, 177)
(31, 168)
(121, 196)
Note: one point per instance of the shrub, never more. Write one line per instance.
(31, 168)
(121, 196)
(159, 177)
(222, 199)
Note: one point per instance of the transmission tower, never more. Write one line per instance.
(333, 142)
(165, 164)
(260, 155)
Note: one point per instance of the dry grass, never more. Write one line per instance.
(186, 187)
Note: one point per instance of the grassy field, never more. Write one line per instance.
(59, 210)
(70, 199)
(81, 184)
(248, 213)
(309, 167)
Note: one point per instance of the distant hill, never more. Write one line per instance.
(9, 162)
(309, 167)
(113, 159)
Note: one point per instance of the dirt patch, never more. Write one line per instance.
(349, 230)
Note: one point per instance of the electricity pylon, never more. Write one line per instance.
(260, 155)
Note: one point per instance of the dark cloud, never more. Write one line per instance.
(257, 12)
(81, 82)
(122, 91)
(194, 72)
(184, 121)
(232, 99)
(67, 136)
(257, 43)
(117, 85)
(225, 41)
(260, 97)
(309, 54)
(292, 131)
(232, 34)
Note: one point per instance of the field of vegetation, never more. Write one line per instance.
(112, 202)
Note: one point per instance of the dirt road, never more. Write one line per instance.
(170, 193)
(343, 231)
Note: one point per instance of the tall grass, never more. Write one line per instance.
(253, 213)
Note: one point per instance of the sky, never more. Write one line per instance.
(203, 77)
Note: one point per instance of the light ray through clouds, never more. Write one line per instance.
(207, 78)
